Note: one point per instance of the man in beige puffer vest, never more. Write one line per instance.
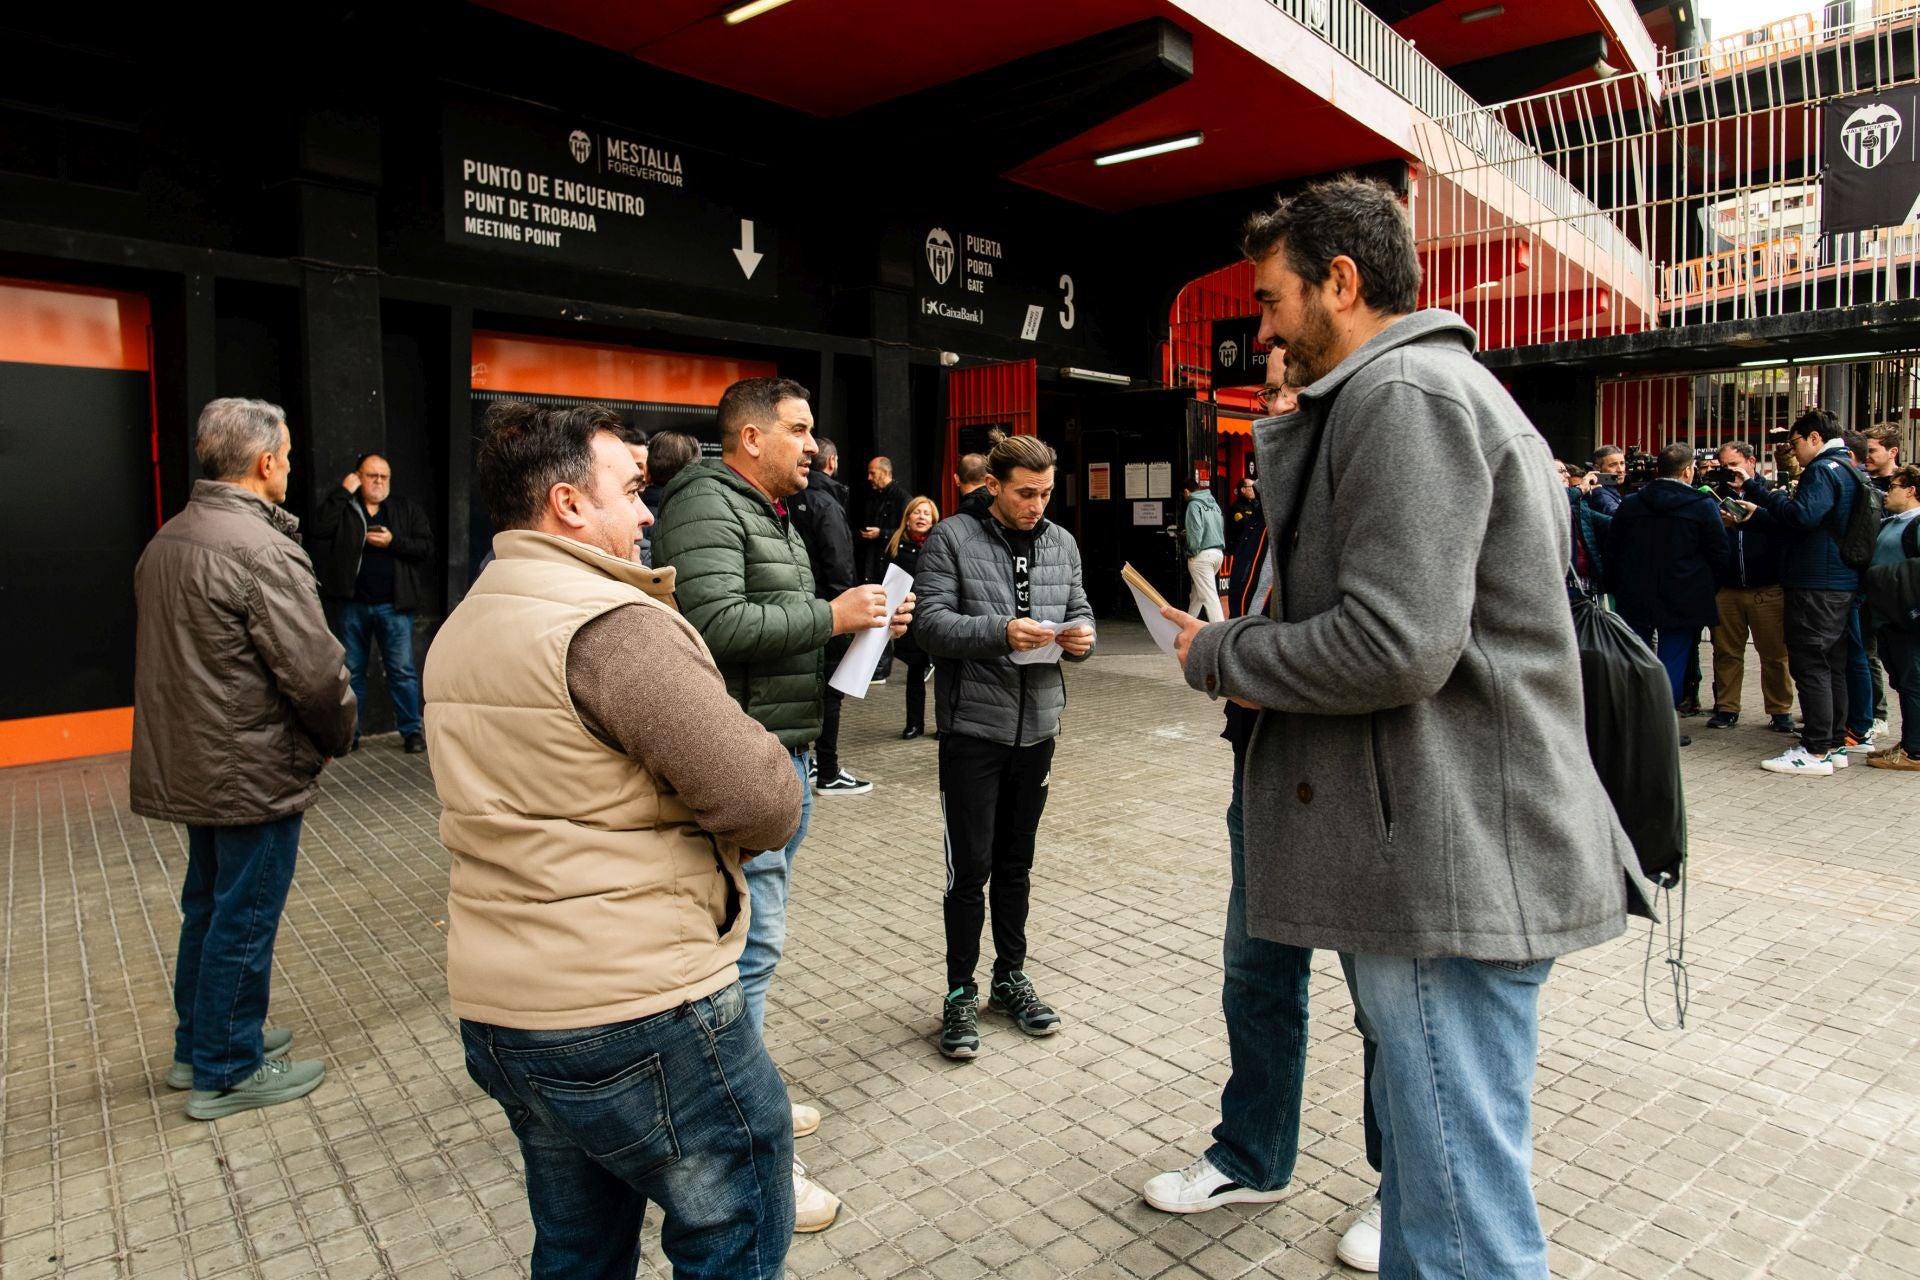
(597, 785)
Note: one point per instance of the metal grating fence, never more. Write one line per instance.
(1757, 404)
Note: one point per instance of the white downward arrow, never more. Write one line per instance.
(748, 258)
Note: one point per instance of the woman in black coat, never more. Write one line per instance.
(903, 549)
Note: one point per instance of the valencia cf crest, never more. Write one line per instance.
(940, 254)
(1869, 135)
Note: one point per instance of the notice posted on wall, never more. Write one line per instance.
(1136, 480)
(1147, 513)
(1159, 479)
(1099, 481)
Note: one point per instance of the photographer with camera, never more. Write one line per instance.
(1750, 599)
(1664, 550)
(1610, 473)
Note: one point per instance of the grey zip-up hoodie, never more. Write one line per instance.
(1419, 784)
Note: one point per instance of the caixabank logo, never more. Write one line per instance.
(1870, 134)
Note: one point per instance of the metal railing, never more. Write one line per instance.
(1480, 162)
(1720, 181)
(1756, 404)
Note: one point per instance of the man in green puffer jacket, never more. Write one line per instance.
(743, 581)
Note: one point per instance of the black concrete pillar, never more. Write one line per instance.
(893, 433)
(334, 190)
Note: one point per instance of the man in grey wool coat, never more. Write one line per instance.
(1418, 790)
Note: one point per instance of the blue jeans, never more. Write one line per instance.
(1459, 1040)
(230, 905)
(1859, 677)
(1676, 650)
(769, 879)
(392, 630)
(683, 1108)
(1264, 999)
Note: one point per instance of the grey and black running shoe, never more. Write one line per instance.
(960, 1024)
(1013, 995)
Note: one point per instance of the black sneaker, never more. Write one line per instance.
(414, 743)
(1782, 724)
(841, 784)
(960, 1024)
(1013, 995)
(1723, 719)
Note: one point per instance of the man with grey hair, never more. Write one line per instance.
(240, 696)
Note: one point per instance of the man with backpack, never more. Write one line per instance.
(1825, 515)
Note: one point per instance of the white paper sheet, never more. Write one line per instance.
(1047, 652)
(856, 669)
(1162, 631)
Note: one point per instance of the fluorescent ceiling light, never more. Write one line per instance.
(1488, 284)
(737, 16)
(1094, 375)
(1760, 364)
(1845, 355)
(1180, 143)
(1481, 15)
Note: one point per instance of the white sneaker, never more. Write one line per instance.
(1360, 1247)
(1864, 747)
(814, 1207)
(1879, 727)
(1200, 1187)
(1800, 760)
(1838, 758)
(805, 1119)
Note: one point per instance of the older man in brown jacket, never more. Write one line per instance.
(240, 695)
(597, 785)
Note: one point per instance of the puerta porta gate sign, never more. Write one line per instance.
(567, 189)
(970, 278)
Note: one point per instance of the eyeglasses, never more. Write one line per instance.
(1267, 395)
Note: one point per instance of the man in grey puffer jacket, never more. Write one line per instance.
(988, 581)
(1418, 789)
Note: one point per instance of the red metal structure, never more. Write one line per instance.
(979, 399)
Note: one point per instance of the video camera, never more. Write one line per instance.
(1642, 469)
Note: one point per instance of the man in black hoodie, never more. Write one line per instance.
(1664, 550)
(820, 517)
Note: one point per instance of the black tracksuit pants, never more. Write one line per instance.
(991, 798)
(1816, 627)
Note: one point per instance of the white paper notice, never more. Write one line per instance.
(1046, 652)
(1159, 479)
(1136, 480)
(1162, 631)
(856, 669)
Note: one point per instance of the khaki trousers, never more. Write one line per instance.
(1757, 611)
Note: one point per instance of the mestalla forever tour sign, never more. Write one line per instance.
(545, 184)
(1872, 176)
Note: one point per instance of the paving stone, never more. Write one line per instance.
(1778, 1134)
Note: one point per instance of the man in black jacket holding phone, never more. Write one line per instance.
(1664, 550)
(372, 552)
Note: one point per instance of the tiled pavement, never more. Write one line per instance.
(1777, 1135)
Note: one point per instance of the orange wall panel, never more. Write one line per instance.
(67, 737)
(67, 325)
(596, 371)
